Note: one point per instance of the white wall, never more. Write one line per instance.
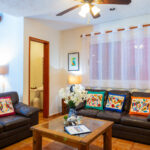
(38, 29)
(11, 52)
(124, 23)
(72, 42)
(61, 42)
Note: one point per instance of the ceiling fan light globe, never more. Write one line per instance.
(85, 8)
(95, 10)
(82, 14)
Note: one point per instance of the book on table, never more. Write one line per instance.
(76, 130)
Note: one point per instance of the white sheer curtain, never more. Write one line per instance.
(117, 59)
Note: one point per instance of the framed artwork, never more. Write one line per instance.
(73, 61)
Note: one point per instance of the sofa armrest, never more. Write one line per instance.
(148, 118)
(81, 106)
(25, 110)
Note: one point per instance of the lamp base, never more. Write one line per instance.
(72, 87)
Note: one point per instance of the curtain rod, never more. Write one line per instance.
(120, 29)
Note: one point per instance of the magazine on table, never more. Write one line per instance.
(78, 129)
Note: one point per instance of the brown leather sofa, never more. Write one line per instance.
(130, 127)
(17, 127)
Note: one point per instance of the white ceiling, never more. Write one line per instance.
(47, 10)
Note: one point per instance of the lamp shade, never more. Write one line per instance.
(74, 79)
(3, 70)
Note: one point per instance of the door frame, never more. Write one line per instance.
(45, 74)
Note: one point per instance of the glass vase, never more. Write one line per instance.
(72, 112)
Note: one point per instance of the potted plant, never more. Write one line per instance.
(65, 120)
(73, 98)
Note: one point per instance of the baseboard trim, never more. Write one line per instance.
(55, 115)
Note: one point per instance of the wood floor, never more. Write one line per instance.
(118, 144)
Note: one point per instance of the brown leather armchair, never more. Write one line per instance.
(17, 127)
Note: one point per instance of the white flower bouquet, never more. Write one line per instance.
(74, 98)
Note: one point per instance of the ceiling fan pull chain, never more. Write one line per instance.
(88, 21)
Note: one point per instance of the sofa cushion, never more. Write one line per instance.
(110, 115)
(88, 112)
(13, 95)
(99, 90)
(115, 102)
(6, 107)
(140, 94)
(128, 98)
(140, 106)
(12, 122)
(95, 100)
(135, 121)
(25, 110)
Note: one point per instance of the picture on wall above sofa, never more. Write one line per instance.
(73, 61)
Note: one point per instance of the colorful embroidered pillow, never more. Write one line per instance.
(140, 106)
(115, 102)
(6, 107)
(95, 100)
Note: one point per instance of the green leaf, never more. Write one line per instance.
(65, 139)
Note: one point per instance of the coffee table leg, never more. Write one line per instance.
(37, 141)
(84, 147)
(108, 139)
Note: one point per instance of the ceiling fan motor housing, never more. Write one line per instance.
(88, 1)
(92, 1)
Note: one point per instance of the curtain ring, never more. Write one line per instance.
(127, 28)
(83, 35)
(140, 26)
(114, 30)
(92, 33)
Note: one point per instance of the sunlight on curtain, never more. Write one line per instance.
(117, 59)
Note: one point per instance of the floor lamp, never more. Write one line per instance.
(3, 72)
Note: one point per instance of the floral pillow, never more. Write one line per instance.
(140, 106)
(115, 102)
(95, 100)
(6, 107)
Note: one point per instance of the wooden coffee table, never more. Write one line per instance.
(54, 130)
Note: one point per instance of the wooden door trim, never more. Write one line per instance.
(45, 75)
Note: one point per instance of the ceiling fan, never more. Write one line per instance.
(88, 6)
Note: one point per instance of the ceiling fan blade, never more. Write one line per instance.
(96, 16)
(121, 2)
(68, 10)
(84, 1)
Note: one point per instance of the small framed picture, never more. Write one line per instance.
(73, 61)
